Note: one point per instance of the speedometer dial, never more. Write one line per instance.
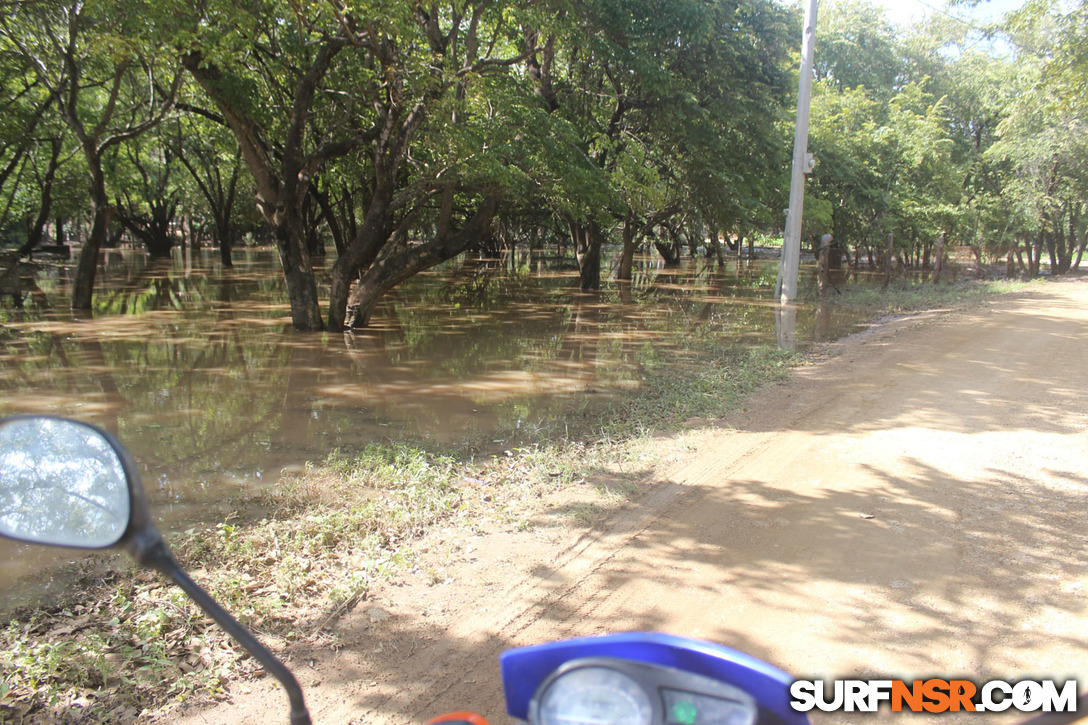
(594, 696)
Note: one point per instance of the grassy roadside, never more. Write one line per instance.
(903, 296)
(124, 645)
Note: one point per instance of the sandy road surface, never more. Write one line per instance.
(915, 504)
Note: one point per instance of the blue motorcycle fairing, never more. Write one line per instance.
(525, 668)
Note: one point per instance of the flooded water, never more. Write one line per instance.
(196, 369)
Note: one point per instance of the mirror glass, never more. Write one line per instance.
(61, 483)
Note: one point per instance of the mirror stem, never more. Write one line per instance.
(158, 556)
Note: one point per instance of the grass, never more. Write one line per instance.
(128, 644)
(125, 645)
(904, 295)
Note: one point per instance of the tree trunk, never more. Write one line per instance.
(587, 249)
(823, 273)
(34, 238)
(938, 265)
(10, 280)
(823, 322)
(360, 255)
(1066, 242)
(298, 274)
(668, 252)
(87, 266)
(280, 186)
(315, 245)
(392, 269)
(328, 212)
(889, 261)
(1051, 249)
(1080, 251)
(153, 230)
(1075, 250)
(223, 234)
(627, 255)
(716, 249)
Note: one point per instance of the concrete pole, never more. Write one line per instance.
(791, 245)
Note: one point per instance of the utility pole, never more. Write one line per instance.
(786, 287)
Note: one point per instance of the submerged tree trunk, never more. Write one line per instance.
(362, 251)
(627, 254)
(823, 271)
(153, 230)
(223, 239)
(220, 198)
(298, 274)
(670, 253)
(87, 266)
(282, 181)
(37, 231)
(392, 269)
(587, 240)
(716, 249)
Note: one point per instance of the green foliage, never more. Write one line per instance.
(925, 133)
(886, 160)
(610, 111)
(858, 47)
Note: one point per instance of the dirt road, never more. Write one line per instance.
(913, 504)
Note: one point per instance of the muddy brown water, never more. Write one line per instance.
(196, 370)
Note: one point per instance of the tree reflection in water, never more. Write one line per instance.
(205, 383)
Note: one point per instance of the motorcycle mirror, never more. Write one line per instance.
(62, 483)
(67, 483)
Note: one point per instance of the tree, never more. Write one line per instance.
(214, 163)
(33, 147)
(403, 92)
(87, 57)
(858, 47)
(147, 195)
(675, 107)
(1042, 139)
(886, 160)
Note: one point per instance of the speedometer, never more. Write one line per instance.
(594, 696)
